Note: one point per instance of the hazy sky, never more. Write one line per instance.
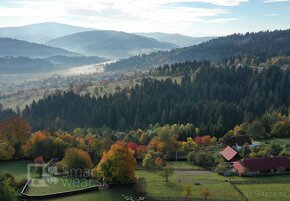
(191, 17)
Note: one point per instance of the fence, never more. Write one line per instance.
(24, 196)
(261, 182)
(16, 159)
(239, 191)
(181, 199)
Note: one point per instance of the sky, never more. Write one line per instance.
(189, 17)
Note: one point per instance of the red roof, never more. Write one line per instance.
(239, 167)
(262, 164)
(229, 153)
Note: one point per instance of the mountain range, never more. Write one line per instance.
(261, 44)
(109, 44)
(177, 39)
(40, 33)
(13, 47)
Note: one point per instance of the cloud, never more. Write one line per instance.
(275, 1)
(223, 20)
(126, 15)
(272, 14)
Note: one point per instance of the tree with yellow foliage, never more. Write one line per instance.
(186, 191)
(118, 164)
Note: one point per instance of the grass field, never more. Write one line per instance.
(266, 192)
(156, 186)
(112, 194)
(110, 88)
(218, 188)
(174, 78)
(61, 184)
(183, 165)
(280, 141)
(16, 168)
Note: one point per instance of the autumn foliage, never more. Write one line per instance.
(118, 164)
(15, 131)
(202, 140)
(77, 159)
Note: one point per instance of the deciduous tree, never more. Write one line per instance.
(118, 164)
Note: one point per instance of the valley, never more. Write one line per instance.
(145, 100)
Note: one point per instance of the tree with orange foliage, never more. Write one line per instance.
(202, 140)
(6, 150)
(16, 131)
(156, 145)
(40, 143)
(159, 162)
(89, 139)
(118, 164)
(205, 193)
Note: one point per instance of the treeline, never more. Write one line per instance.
(24, 65)
(212, 99)
(179, 69)
(13, 47)
(7, 113)
(263, 44)
(64, 61)
(27, 65)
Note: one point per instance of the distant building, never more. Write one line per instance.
(230, 154)
(255, 166)
(238, 140)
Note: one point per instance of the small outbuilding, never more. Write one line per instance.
(238, 140)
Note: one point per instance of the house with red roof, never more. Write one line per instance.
(255, 166)
(230, 154)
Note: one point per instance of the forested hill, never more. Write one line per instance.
(41, 32)
(212, 99)
(13, 47)
(109, 44)
(264, 44)
(18, 65)
(178, 39)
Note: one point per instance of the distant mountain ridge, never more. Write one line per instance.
(263, 44)
(40, 33)
(13, 47)
(178, 39)
(109, 44)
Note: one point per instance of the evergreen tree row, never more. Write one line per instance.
(212, 99)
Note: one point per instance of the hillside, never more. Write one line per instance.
(13, 47)
(263, 44)
(64, 61)
(19, 65)
(213, 99)
(109, 44)
(40, 33)
(178, 39)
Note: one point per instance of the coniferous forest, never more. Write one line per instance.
(263, 44)
(214, 99)
(145, 100)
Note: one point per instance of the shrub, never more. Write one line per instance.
(148, 161)
(77, 161)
